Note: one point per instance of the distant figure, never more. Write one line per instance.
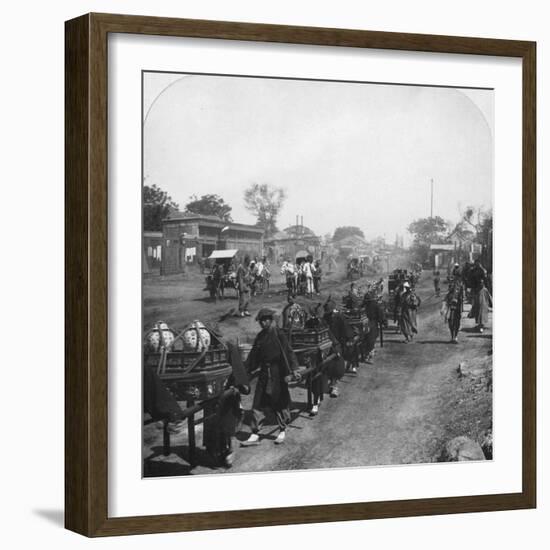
(478, 275)
(288, 269)
(480, 308)
(409, 303)
(243, 286)
(317, 274)
(452, 310)
(308, 270)
(456, 273)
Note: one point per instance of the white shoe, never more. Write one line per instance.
(228, 460)
(253, 439)
(314, 410)
(280, 438)
(353, 370)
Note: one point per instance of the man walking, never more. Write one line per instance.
(409, 302)
(317, 274)
(308, 271)
(243, 286)
(480, 308)
(272, 354)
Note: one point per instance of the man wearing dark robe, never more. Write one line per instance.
(272, 354)
(480, 308)
(352, 300)
(478, 275)
(452, 308)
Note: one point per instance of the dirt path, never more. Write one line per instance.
(392, 412)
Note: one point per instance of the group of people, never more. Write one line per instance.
(277, 365)
(467, 282)
(302, 277)
(405, 306)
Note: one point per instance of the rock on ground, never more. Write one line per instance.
(461, 449)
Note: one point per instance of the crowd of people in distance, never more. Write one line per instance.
(302, 277)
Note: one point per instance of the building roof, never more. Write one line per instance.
(213, 221)
(350, 240)
(222, 254)
(298, 230)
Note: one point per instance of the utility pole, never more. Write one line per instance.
(432, 199)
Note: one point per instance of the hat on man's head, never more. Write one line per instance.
(406, 285)
(265, 313)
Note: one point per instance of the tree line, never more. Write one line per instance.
(262, 200)
(475, 223)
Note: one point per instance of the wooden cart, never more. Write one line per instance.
(195, 377)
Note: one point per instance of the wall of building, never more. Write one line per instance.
(200, 240)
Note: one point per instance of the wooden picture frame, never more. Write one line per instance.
(86, 282)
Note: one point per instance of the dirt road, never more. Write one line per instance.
(396, 411)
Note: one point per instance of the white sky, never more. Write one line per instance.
(346, 153)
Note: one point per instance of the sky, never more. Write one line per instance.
(346, 153)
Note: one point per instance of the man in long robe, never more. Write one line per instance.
(452, 309)
(409, 302)
(272, 354)
(480, 308)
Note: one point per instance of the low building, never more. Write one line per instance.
(289, 242)
(189, 238)
(352, 245)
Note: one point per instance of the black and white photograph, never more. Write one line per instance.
(317, 274)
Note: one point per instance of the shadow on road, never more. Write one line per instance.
(174, 465)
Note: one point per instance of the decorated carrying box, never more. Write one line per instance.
(194, 363)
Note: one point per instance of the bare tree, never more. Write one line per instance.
(265, 202)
